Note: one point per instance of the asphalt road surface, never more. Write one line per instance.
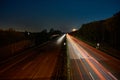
(35, 64)
(88, 63)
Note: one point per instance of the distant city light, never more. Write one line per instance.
(28, 33)
(74, 29)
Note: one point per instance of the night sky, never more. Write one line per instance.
(36, 15)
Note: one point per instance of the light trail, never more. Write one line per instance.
(100, 72)
(81, 75)
(61, 39)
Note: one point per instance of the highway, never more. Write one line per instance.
(88, 63)
(35, 64)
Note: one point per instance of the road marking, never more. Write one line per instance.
(91, 76)
(112, 76)
(8, 67)
(28, 64)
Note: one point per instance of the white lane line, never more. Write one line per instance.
(112, 76)
(28, 64)
(91, 76)
(8, 67)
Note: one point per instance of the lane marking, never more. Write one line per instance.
(8, 67)
(28, 64)
(112, 76)
(91, 76)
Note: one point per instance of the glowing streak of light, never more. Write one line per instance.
(79, 70)
(100, 66)
(60, 39)
(86, 56)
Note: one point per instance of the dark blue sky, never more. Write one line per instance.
(35, 15)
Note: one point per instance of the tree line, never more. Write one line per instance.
(11, 36)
